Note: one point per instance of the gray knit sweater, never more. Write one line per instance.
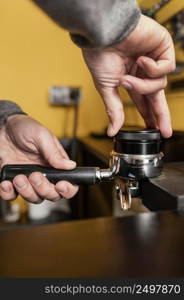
(8, 108)
(91, 23)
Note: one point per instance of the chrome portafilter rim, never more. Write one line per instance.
(140, 157)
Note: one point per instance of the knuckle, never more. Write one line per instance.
(29, 195)
(141, 87)
(34, 177)
(152, 72)
(43, 194)
(51, 157)
(47, 188)
(110, 112)
(142, 92)
(46, 192)
(41, 131)
(117, 107)
(144, 89)
(31, 176)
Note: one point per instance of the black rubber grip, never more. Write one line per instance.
(79, 175)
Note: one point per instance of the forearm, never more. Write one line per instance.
(94, 23)
(8, 108)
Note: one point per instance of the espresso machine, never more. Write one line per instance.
(137, 160)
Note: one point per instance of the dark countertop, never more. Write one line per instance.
(100, 147)
(146, 245)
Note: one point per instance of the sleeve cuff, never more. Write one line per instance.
(7, 109)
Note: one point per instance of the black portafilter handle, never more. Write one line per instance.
(130, 146)
(79, 175)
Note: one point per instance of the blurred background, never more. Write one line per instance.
(36, 54)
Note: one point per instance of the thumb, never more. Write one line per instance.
(114, 108)
(53, 152)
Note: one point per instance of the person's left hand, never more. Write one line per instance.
(140, 64)
(25, 141)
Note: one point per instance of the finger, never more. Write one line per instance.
(143, 86)
(161, 111)
(53, 153)
(60, 148)
(145, 109)
(7, 191)
(25, 189)
(158, 68)
(114, 108)
(66, 189)
(43, 188)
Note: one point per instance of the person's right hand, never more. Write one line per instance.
(140, 64)
(25, 141)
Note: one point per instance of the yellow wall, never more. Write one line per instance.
(175, 99)
(35, 54)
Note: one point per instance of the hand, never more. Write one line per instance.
(25, 141)
(140, 64)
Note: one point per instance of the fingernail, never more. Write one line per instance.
(5, 187)
(20, 183)
(127, 85)
(110, 130)
(70, 163)
(36, 179)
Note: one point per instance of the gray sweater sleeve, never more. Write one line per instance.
(8, 108)
(94, 23)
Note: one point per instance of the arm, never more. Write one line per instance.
(94, 23)
(122, 48)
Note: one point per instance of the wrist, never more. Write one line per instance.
(147, 35)
(16, 117)
(7, 109)
(133, 37)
